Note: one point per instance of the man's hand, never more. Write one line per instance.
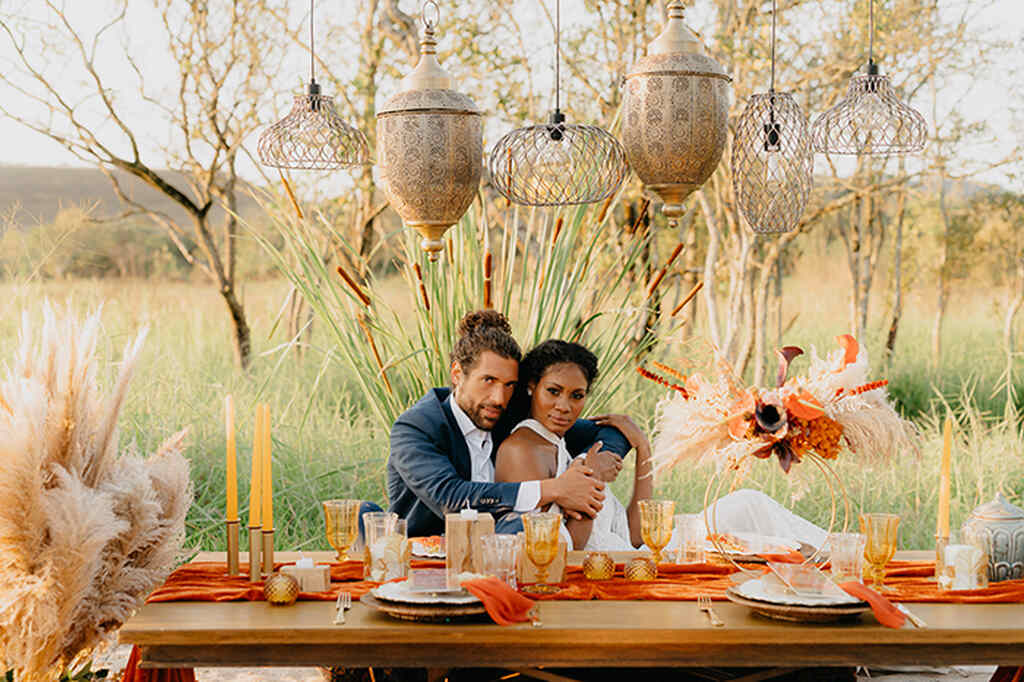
(579, 492)
(605, 464)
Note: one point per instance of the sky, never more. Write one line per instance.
(991, 94)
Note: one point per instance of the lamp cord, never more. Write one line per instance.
(871, 32)
(312, 49)
(771, 88)
(558, 50)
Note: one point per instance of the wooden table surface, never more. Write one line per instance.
(574, 633)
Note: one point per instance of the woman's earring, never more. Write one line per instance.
(529, 391)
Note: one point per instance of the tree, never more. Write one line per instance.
(224, 57)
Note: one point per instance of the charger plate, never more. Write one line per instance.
(799, 614)
(426, 613)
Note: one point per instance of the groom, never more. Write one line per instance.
(442, 448)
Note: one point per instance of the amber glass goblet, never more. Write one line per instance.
(341, 518)
(541, 530)
(656, 520)
(881, 532)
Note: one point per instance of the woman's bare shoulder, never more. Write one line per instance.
(524, 442)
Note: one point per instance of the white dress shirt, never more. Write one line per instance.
(480, 445)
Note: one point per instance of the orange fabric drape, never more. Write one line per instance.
(133, 673)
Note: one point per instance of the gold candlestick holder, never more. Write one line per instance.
(232, 531)
(941, 542)
(254, 554)
(268, 551)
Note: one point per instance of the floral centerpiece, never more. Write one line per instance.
(814, 414)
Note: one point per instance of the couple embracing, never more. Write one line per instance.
(507, 439)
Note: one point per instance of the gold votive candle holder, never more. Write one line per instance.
(268, 552)
(281, 589)
(232, 531)
(598, 566)
(641, 568)
(255, 552)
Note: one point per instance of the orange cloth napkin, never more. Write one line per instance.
(1007, 674)
(132, 672)
(504, 605)
(885, 611)
(791, 557)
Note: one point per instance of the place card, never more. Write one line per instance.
(315, 578)
(462, 542)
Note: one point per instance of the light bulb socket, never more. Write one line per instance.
(556, 125)
(772, 136)
(314, 92)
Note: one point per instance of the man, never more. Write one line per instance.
(442, 447)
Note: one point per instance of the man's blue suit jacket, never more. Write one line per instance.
(429, 468)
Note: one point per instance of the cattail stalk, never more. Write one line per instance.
(423, 287)
(558, 230)
(373, 347)
(604, 209)
(291, 194)
(689, 297)
(354, 287)
(647, 374)
(487, 280)
(664, 270)
(671, 371)
(640, 216)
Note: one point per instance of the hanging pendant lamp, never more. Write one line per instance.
(871, 119)
(557, 164)
(772, 159)
(312, 136)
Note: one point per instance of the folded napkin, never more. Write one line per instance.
(504, 605)
(884, 610)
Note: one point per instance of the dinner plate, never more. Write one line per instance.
(400, 592)
(758, 589)
(426, 613)
(798, 613)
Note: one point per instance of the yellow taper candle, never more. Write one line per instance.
(232, 462)
(942, 528)
(256, 478)
(266, 470)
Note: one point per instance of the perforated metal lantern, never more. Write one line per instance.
(312, 136)
(430, 149)
(871, 119)
(676, 105)
(772, 162)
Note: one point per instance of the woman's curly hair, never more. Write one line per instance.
(484, 330)
(539, 359)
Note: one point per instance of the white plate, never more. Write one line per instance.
(400, 592)
(756, 544)
(757, 589)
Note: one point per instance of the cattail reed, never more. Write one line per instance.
(640, 216)
(558, 230)
(354, 287)
(291, 195)
(664, 270)
(671, 371)
(604, 209)
(689, 297)
(373, 347)
(451, 250)
(647, 374)
(423, 287)
(487, 279)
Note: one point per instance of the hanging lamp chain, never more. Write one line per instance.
(557, 117)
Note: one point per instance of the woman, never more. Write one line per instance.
(554, 380)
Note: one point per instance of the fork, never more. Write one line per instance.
(704, 604)
(343, 603)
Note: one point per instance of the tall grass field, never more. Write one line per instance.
(327, 442)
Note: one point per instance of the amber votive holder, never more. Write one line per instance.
(268, 551)
(598, 566)
(232, 532)
(641, 568)
(255, 550)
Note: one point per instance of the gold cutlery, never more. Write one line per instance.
(704, 604)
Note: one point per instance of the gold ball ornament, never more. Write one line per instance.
(598, 566)
(281, 589)
(641, 568)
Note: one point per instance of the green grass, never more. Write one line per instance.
(327, 442)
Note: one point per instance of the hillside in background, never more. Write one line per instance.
(33, 195)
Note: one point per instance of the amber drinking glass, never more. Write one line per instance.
(656, 519)
(881, 532)
(341, 518)
(541, 531)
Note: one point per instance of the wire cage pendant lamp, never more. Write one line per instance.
(772, 158)
(557, 164)
(312, 136)
(871, 119)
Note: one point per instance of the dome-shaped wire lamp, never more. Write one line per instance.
(871, 119)
(772, 159)
(312, 136)
(557, 164)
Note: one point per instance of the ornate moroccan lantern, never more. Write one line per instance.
(430, 147)
(676, 113)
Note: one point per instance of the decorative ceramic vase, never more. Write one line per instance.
(430, 143)
(1000, 526)
(598, 566)
(281, 589)
(676, 108)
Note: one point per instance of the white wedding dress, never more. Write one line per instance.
(742, 511)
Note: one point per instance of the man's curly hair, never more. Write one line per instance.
(484, 330)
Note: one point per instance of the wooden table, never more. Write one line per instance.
(573, 634)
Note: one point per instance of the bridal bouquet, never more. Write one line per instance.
(814, 414)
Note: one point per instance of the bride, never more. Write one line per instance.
(554, 380)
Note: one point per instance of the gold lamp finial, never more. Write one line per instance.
(676, 36)
(428, 74)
